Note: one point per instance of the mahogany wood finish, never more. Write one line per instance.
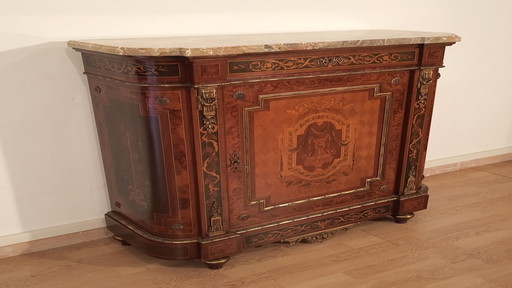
(205, 156)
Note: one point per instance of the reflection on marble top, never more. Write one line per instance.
(241, 44)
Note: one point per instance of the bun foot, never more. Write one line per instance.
(216, 264)
(402, 219)
(121, 240)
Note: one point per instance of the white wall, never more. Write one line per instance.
(50, 169)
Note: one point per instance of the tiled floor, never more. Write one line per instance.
(464, 239)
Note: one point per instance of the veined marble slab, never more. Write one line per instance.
(255, 43)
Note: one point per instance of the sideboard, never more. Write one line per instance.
(214, 144)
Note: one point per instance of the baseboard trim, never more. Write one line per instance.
(74, 233)
(52, 237)
(465, 161)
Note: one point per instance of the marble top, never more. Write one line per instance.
(196, 46)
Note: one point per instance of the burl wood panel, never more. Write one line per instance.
(145, 142)
(312, 144)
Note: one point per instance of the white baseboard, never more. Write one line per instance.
(468, 157)
(53, 237)
(52, 231)
(459, 162)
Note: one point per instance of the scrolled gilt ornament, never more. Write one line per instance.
(426, 78)
(207, 97)
(317, 237)
(215, 226)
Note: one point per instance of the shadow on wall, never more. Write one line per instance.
(48, 144)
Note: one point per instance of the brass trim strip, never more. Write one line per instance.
(151, 237)
(147, 235)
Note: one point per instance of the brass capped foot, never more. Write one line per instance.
(402, 219)
(216, 264)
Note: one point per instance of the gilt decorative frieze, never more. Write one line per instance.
(318, 236)
(418, 121)
(207, 107)
(298, 63)
(133, 69)
(317, 225)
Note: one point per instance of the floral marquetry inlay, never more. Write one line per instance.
(312, 226)
(133, 69)
(278, 64)
(317, 147)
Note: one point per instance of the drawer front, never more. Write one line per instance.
(138, 70)
(309, 63)
(299, 146)
(331, 61)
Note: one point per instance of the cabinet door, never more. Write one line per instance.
(294, 147)
(145, 143)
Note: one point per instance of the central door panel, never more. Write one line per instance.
(302, 150)
(313, 143)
